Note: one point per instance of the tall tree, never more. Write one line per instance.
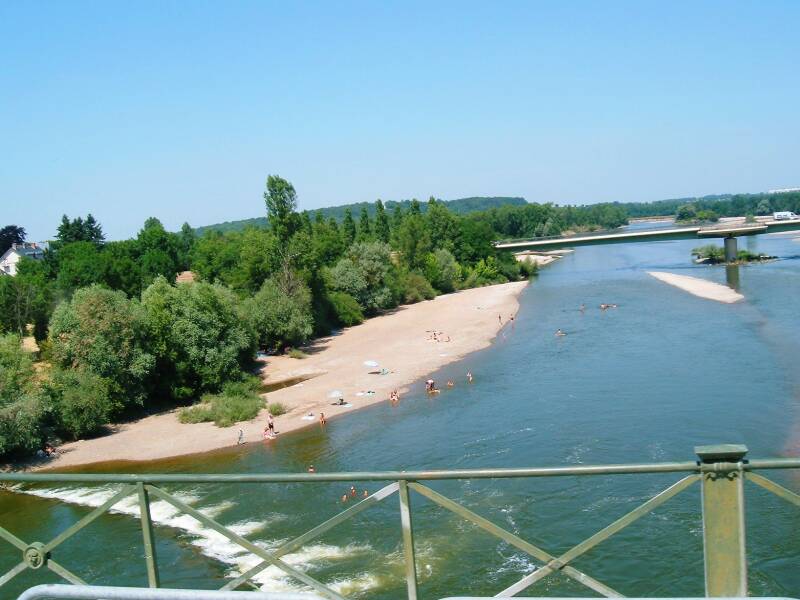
(11, 234)
(364, 226)
(348, 228)
(79, 230)
(281, 201)
(381, 222)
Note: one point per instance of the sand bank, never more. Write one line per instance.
(398, 341)
(699, 287)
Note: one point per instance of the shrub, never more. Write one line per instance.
(20, 425)
(198, 335)
(442, 270)
(298, 354)
(80, 402)
(365, 274)
(16, 368)
(346, 308)
(239, 401)
(416, 288)
(281, 317)
(103, 332)
(276, 409)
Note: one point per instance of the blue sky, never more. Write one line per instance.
(179, 110)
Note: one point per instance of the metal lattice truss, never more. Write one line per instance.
(37, 555)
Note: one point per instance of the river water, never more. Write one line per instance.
(648, 381)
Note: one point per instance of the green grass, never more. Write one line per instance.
(276, 409)
(237, 402)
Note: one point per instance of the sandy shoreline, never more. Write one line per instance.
(699, 287)
(397, 341)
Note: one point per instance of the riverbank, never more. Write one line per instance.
(699, 287)
(400, 342)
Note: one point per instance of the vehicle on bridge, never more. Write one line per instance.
(784, 216)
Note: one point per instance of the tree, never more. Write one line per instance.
(763, 207)
(198, 335)
(442, 225)
(79, 230)
(364, 226)
(103, 332)
(281, 319)
(159, 251)
(442, 270)
(79, 264)
(16, 369)
(348, 228)
(26, 299)
(364, 273)
(381, 223)
(186, 240)
(686, 212)
(413, 240)
(11, 234)
(281, 201)
(80, 401)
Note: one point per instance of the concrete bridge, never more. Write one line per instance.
(728, 231)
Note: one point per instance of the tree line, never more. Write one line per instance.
(118, 337)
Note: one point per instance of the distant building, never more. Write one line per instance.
(784, 190)
(184, 277)
(10, 258)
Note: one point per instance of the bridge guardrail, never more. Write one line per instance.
(720, 471)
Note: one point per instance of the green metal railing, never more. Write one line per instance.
(720, 470)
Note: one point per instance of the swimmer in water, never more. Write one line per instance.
(560, 333)
(344, 497)
(450, 383)
(353, 491)
(583, 308)
(469, 376)
(365, 494)
(311, 469)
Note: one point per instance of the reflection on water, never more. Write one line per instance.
(662, 373)
(732, 277)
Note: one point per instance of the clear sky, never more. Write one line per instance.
(179, 110)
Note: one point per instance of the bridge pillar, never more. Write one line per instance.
(723, 519)
(731, 249)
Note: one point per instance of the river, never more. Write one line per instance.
(647, 381)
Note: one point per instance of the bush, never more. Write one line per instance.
(276, 409)
(346, 309)
(16, 368)
(365, 274)
(81, 402)
(416, 288)
(223, 409)
(103, 332)
(20, 425)
(442, 270)
(298, 354)
(281, 317)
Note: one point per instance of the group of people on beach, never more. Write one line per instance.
(438, 336)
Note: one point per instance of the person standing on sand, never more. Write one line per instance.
(500, 319)
(322, 419)
(271, 424)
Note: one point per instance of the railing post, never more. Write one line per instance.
(147, 536)
(408, 540)
(723, 519)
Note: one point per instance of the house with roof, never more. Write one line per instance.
(10, 258)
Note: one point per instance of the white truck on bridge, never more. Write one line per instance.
(784, 216)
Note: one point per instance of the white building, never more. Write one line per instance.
(10, 258)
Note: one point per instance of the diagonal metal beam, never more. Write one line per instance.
(11, 573)
(303, 539)
(244, 543)
(773, 487)
(12, 539)
(602, 535)
(97, 512)
(65, 573)
(511, 539)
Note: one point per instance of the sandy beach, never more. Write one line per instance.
(699, 287)
(399, 342)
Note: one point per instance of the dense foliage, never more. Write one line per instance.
(119, 337)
